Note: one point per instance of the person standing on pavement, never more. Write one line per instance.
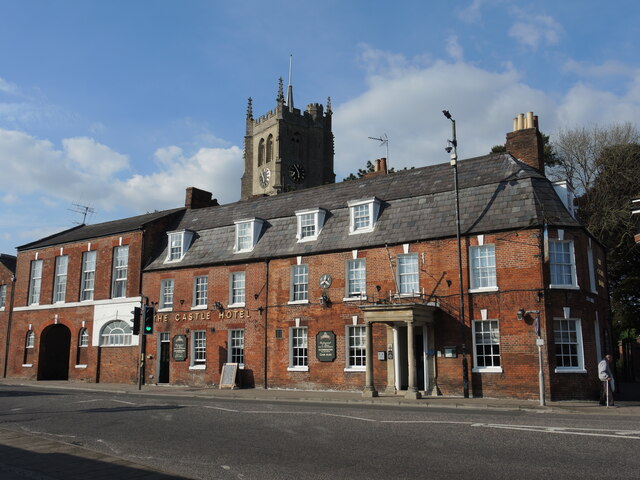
(608, 382)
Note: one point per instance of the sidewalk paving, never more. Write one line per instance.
(24, 455)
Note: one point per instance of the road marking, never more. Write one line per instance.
(220, 408)
(349, 416)
(122, 401)
(589, 432)
(426, 421)
(89, 401)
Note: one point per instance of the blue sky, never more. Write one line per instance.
(121, 105)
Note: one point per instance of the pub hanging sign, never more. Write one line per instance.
(326, 346)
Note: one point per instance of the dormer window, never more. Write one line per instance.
(247, 234)
(363, 215)
(179, 243)
(310, 223)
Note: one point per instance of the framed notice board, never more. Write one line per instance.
(228, 375)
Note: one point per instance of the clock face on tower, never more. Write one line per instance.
(264, 177)
(296, 173)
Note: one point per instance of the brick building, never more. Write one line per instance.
(318, 285)
(7, 278)
(74, 294)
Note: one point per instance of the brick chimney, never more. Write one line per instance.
(196, 198)
(525, 142)
(379, 168)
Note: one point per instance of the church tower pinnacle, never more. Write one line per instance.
(286, 148)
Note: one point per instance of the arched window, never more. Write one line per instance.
(261, 152)
(116, 333)
(30, 340)
(83, 338)
(269, 148)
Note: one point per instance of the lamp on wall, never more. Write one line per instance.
(520, 314)
(218, 306)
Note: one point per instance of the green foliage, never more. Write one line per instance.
(606, 210)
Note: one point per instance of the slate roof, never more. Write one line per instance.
(85, 232)
(9, 261)
(497, 192)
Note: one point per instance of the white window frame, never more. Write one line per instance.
(355, 348)
(309, 224)
(30, 340)
(198, 350)
(488, 338)
(119, 334)
(482, 268)
(299, 284)
(402, 275)
(562, 333)
(356, 273)
(166, 294)
(200, 292)
(35, 282)
(367, 208)
(553, 243)
(60, 278)
(247, 233)
(235, 352)
(3, 296)
(88, 282)
(237, 289)
(83, 338)
(178, 243)
(298, 349)
(120, 271)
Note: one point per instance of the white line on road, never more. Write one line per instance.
(220, 408)
(349, 416)
(122, 401)
(632, 434)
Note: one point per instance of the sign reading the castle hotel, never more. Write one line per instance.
(203, 315)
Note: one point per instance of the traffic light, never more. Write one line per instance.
(148, 320)
(137, 312)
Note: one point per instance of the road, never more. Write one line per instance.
(226, 439)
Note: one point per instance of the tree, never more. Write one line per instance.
(577, 152)
(606, 210)
(363, 171)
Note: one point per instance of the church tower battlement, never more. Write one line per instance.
(286, 148)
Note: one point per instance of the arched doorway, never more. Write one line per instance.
(53, 361)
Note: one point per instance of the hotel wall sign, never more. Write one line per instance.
(180, 348)
(326, 346)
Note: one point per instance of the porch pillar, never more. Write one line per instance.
(412, 391)
(369, 389)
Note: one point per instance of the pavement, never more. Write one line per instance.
(28, 456)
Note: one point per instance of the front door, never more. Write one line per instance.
(164, 357)
(53, 359)
(401, 357)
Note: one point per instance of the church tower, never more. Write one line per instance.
(287, 149)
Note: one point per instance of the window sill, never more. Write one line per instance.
(298, 302)
(165, 309)
(197, 367)
(487, 370)
(236, 305)
(354, 299)
(297, 369)
(198, 307)
(483, 289)
(244, 250)
(361, 230)
(565, 287)
(175, 260)
(355, 369)
(27, 365)
(570, 370)
(308, 239)
(81, 366)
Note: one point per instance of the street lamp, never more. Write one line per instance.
(451, 149)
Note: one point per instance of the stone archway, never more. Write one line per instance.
(53, 360)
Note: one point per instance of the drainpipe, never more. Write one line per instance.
(9, 318)
(266, 322)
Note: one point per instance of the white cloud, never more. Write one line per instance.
(93, 158)
(407, 103)
(610, 68)
(7, 87)
(454, 49)
(536, 30)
